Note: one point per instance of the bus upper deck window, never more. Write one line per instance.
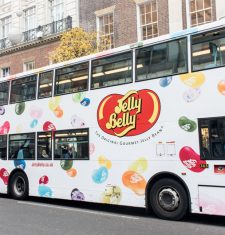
(4, 93)
(111, 71)
(161, 60)
(23, 89)
(73, 78)
(45, 84)
(208, 50)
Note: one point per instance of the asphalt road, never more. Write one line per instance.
(44, 216)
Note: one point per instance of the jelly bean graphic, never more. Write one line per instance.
(135, 182)
(221, 87)
(44, 179)
(85, 102)
(187, 124)
(103, 161)
(77, 122)
(54, 103)
(76, 195)
(71, 172)
(191, 160)
(4, 175)
(193, 80)
(33, 123)
(91, 148)
(4, 129)
(99, 176)
(77, 97)
(191, 95)
(139, 166)
(20, 164)
(66, 164)
(44, 191)
(36, 112)
(2, 110)
(48, 126)
(19, 108)
(58, 112)
(164, 82)
(112, 195)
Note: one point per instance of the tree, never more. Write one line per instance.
(77, 43)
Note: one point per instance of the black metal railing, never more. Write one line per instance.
(41, 31)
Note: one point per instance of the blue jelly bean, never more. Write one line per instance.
(34, 123)
(20, 164)
(85, 102)
(99, 176)
(164, 82)
(44, 191)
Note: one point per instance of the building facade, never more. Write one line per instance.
(30, 29)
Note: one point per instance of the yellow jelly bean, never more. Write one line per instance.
(140, 166)
(194, 80)
(103, 161)
(54, 103)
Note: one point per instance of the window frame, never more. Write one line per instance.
(38, 88)
(9, 144)
(113, 55)
(64, 67)
(8, 95)
(71, 130)
(4, 159)
(26, 100)
(139, 20)
(51, 146)
(211, 158)
(156, 44)
(191, 48)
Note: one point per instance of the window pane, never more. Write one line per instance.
(4, 93)
(72, 144)
(3, 147)
(71, 79)
(45, 84)
(23, 89)
(44, 146)
(112, 70)
(199, 4)
(212, 138)
(161, 60)
(22, 146)
(207, 50)
(207, 3)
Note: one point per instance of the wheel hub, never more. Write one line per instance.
(19, 186)
(169, 199)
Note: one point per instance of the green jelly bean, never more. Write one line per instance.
(187, 124)
(19, 108)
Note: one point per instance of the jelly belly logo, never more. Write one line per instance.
(128, 115)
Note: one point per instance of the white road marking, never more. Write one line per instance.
(77, 210)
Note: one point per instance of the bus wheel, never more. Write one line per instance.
(168, 199)
(19, 186)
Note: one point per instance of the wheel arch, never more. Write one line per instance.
(162, 175)
(15, 171)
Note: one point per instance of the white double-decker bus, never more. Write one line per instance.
(141, 125)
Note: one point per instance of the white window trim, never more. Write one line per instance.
(139, 27)
(102, 12)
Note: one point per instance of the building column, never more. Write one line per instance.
(175, 15)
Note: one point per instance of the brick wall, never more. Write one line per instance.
(15, 60)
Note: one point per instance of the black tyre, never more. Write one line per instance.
(168, 199)
(18, 186)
